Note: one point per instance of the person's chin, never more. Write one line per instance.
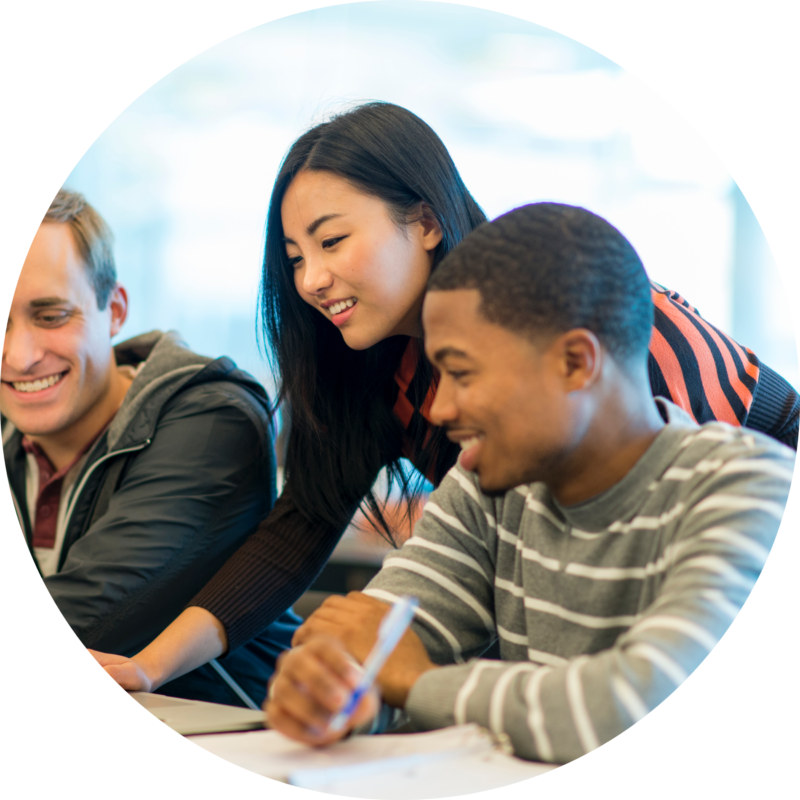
(35, 421)
(357, 340)
(490, 484)
(497, 482)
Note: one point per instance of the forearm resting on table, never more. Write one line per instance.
(193, 639)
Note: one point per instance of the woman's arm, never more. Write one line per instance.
(193, 639)
(268, 573)
(776, 408)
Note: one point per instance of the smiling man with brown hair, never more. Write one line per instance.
(603, 538)
(59, 382)
(135, 470)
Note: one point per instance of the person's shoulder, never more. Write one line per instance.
(222, 395)
(171, 371)
(173, 384)
(724, 442)
(717, 457)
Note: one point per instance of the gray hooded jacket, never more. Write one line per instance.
(181, 477)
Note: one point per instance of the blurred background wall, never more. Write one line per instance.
(183, 176)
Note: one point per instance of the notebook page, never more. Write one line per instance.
(271, 754)
(421, 777)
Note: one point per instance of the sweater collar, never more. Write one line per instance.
(621, 499)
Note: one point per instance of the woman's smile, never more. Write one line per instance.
(342, 310)
(335, 307)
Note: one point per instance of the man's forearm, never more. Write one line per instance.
(193, 639)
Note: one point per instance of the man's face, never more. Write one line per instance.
(501, 396)
(57, 356)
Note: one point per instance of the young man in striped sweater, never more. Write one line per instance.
(606, 540)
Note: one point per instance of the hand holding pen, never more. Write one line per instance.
(394, 625)
(315, 680)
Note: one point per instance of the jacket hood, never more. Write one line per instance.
(169, 366)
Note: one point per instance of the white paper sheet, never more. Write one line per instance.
(422, 777)
(451, 761)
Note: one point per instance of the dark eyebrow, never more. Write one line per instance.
(450, 352)
(313, 226)
(46, 302)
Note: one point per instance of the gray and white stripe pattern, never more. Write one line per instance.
(601, 609)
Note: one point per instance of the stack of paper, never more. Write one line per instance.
(452, 761)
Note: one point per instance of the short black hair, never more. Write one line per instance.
(547, 268)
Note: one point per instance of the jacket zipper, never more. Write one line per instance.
(79, 489)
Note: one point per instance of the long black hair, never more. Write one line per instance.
(343, 429)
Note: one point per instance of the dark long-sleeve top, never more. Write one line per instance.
(692, 363)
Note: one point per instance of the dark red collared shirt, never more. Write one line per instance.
(48, 501)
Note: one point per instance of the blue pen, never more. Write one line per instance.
(392, 628)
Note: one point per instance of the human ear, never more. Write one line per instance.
(431, 230)
(118, 305)
(581, 358)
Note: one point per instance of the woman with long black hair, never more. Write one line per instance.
(363, 209)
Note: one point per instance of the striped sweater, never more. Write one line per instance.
(602, 608)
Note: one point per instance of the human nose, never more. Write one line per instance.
(21, 349)
(316, 277)
(444, 409)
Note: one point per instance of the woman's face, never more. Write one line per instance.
(352, 262)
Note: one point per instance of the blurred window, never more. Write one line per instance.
(184, 175)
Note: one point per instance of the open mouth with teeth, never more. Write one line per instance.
(39, 385)
(342, 310)
(338, 308)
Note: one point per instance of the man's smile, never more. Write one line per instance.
(470, 442)
(38, 384)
